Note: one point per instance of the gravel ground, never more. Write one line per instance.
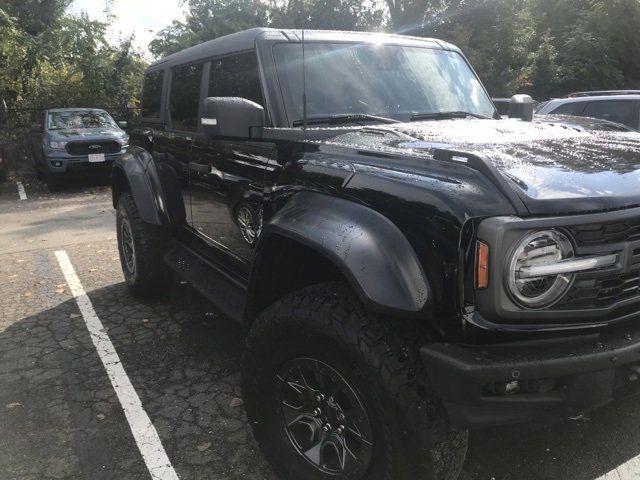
(60, 417)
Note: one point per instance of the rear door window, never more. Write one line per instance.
(185, 97)
(236, 76)
(619, 111)
(573, 108)
(152, 94)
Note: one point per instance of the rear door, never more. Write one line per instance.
(228, 177)
(173, 144)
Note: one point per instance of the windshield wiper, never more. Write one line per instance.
(446, 115)
(345, 118)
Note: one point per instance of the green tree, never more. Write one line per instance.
(209, 19)
(50, 58)
(541, 75)
(325, 14)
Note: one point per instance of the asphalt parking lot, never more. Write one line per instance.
(61, 416)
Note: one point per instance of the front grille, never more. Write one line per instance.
(605, 233)
(590, 291)
(86, 148)
(601, 292)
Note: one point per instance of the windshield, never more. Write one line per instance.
(384, 80)
(79, 119)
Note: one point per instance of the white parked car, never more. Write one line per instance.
(615, 106)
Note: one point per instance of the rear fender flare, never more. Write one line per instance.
(147, 182)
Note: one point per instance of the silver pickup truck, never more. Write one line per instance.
(76, 142)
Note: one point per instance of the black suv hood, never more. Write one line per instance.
(556, 165)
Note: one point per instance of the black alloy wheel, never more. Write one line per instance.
(128, 246)
(325, 420)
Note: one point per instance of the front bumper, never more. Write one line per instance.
(562, 378)
(78, 165)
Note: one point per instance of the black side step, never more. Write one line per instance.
(224, 292)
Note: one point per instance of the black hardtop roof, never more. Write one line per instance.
(246, 40)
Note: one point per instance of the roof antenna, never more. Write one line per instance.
(304, 86)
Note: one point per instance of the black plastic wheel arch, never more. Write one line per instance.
(369, 250)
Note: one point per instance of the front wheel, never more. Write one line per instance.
(142, 248)
(335, 392)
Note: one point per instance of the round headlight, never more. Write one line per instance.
(538, 249)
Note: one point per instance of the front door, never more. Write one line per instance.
(227, 193)
(228, 177)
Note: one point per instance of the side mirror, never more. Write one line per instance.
(522, 107)
(36, 128)
(231, 117)
(123, 125)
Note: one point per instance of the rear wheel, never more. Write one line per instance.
(142, 248)
(335, 392)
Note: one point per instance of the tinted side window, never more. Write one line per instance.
(236, 76)
(574, 108)
(152, 94)
(615, 111)
(185, 97)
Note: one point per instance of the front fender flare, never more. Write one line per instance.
(370, 251)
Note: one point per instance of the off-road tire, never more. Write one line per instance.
(413, 438)
(150, 277)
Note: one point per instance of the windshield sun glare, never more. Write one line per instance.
(383, 80)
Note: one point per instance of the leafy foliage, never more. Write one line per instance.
(52, 59)
(542, 47)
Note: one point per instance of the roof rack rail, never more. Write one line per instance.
(603, 93)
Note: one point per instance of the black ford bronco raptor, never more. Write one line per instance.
(407, 265)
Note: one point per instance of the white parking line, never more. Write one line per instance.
(22, 193)
(143, 430)
(629, 470)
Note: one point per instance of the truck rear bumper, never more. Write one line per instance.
(484, 386)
